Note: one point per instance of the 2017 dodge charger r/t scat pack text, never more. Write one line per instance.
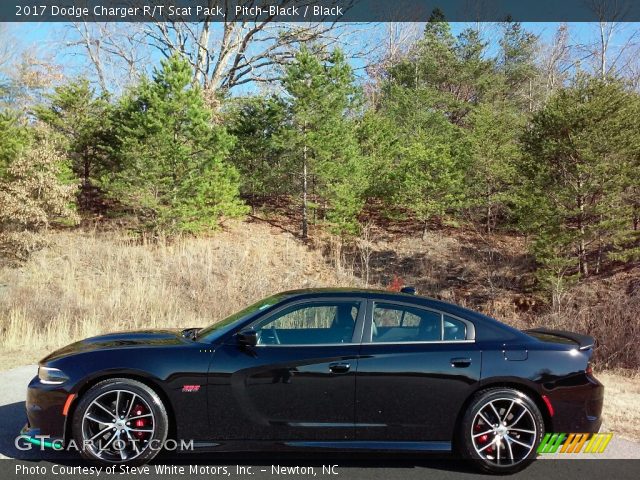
(333, 369)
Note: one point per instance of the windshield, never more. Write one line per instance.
(218, 329)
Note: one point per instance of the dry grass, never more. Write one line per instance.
(621, 399)
(88, 283)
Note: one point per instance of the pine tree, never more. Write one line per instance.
(320, 141)
(577, 153)
(82, 121)
(494, 149)
(452, 73)
(421, 164)
(517, 62)
(171, 167)
(256, 122)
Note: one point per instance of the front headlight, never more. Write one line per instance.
(51, 376)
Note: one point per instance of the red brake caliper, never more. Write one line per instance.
(140, 422)
(482, 438)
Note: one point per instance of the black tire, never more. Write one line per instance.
(109, 392)
(486, 439)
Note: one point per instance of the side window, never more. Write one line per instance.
(400, 323)
(396, 323)
(454, 329)
(310, 324)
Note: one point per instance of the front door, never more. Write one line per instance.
(297, 383)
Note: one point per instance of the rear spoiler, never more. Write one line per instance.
(584, 341)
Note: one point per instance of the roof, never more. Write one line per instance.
(377, 293)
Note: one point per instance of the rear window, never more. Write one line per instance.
(454, 329)
(394, 323)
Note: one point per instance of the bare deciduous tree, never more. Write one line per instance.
(224, 54)
(238, 50)
(6, 52)
(6, 57)
(116, 53)
(396, 42)
(613, 50)
(557, 60)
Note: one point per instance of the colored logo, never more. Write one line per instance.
(574, 443)
(190, 388)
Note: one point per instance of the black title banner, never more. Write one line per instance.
(318, 10)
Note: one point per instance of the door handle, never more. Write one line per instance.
(339, 367)
(460, 362)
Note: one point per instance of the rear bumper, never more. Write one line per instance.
(577, 405)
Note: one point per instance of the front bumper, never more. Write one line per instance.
(44, 406)
(35, 437)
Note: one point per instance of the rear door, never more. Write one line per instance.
(416, 368)
(298, 383)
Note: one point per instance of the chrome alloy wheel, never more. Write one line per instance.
(117, 426)
(504, 432)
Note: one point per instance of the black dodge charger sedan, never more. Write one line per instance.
(332, 369)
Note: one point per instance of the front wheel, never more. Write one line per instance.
(501, 430)
(120, 421)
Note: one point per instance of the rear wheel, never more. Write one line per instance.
(501, 430)
(120, 421)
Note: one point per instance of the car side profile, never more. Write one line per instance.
(322, 369)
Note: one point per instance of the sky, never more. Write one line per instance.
(44, 39)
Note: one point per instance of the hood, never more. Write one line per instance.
(110, 341)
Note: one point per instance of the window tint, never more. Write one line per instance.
(393, 317)
(454, 329)
(394, 323)
(399, 323)
(310, 324)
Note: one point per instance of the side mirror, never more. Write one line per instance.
(247, 337)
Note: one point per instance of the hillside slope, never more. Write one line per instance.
(89, 282)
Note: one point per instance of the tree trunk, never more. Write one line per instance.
(582, 248)
(600, 250)
(304, 193)
(203, 54)
(604, 42)
(314, 198)
(530, 95)
(582, 254)
(86, 184)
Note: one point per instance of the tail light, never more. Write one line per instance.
(589, 369)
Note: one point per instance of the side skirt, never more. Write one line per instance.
(344, 445)
(378, 446)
